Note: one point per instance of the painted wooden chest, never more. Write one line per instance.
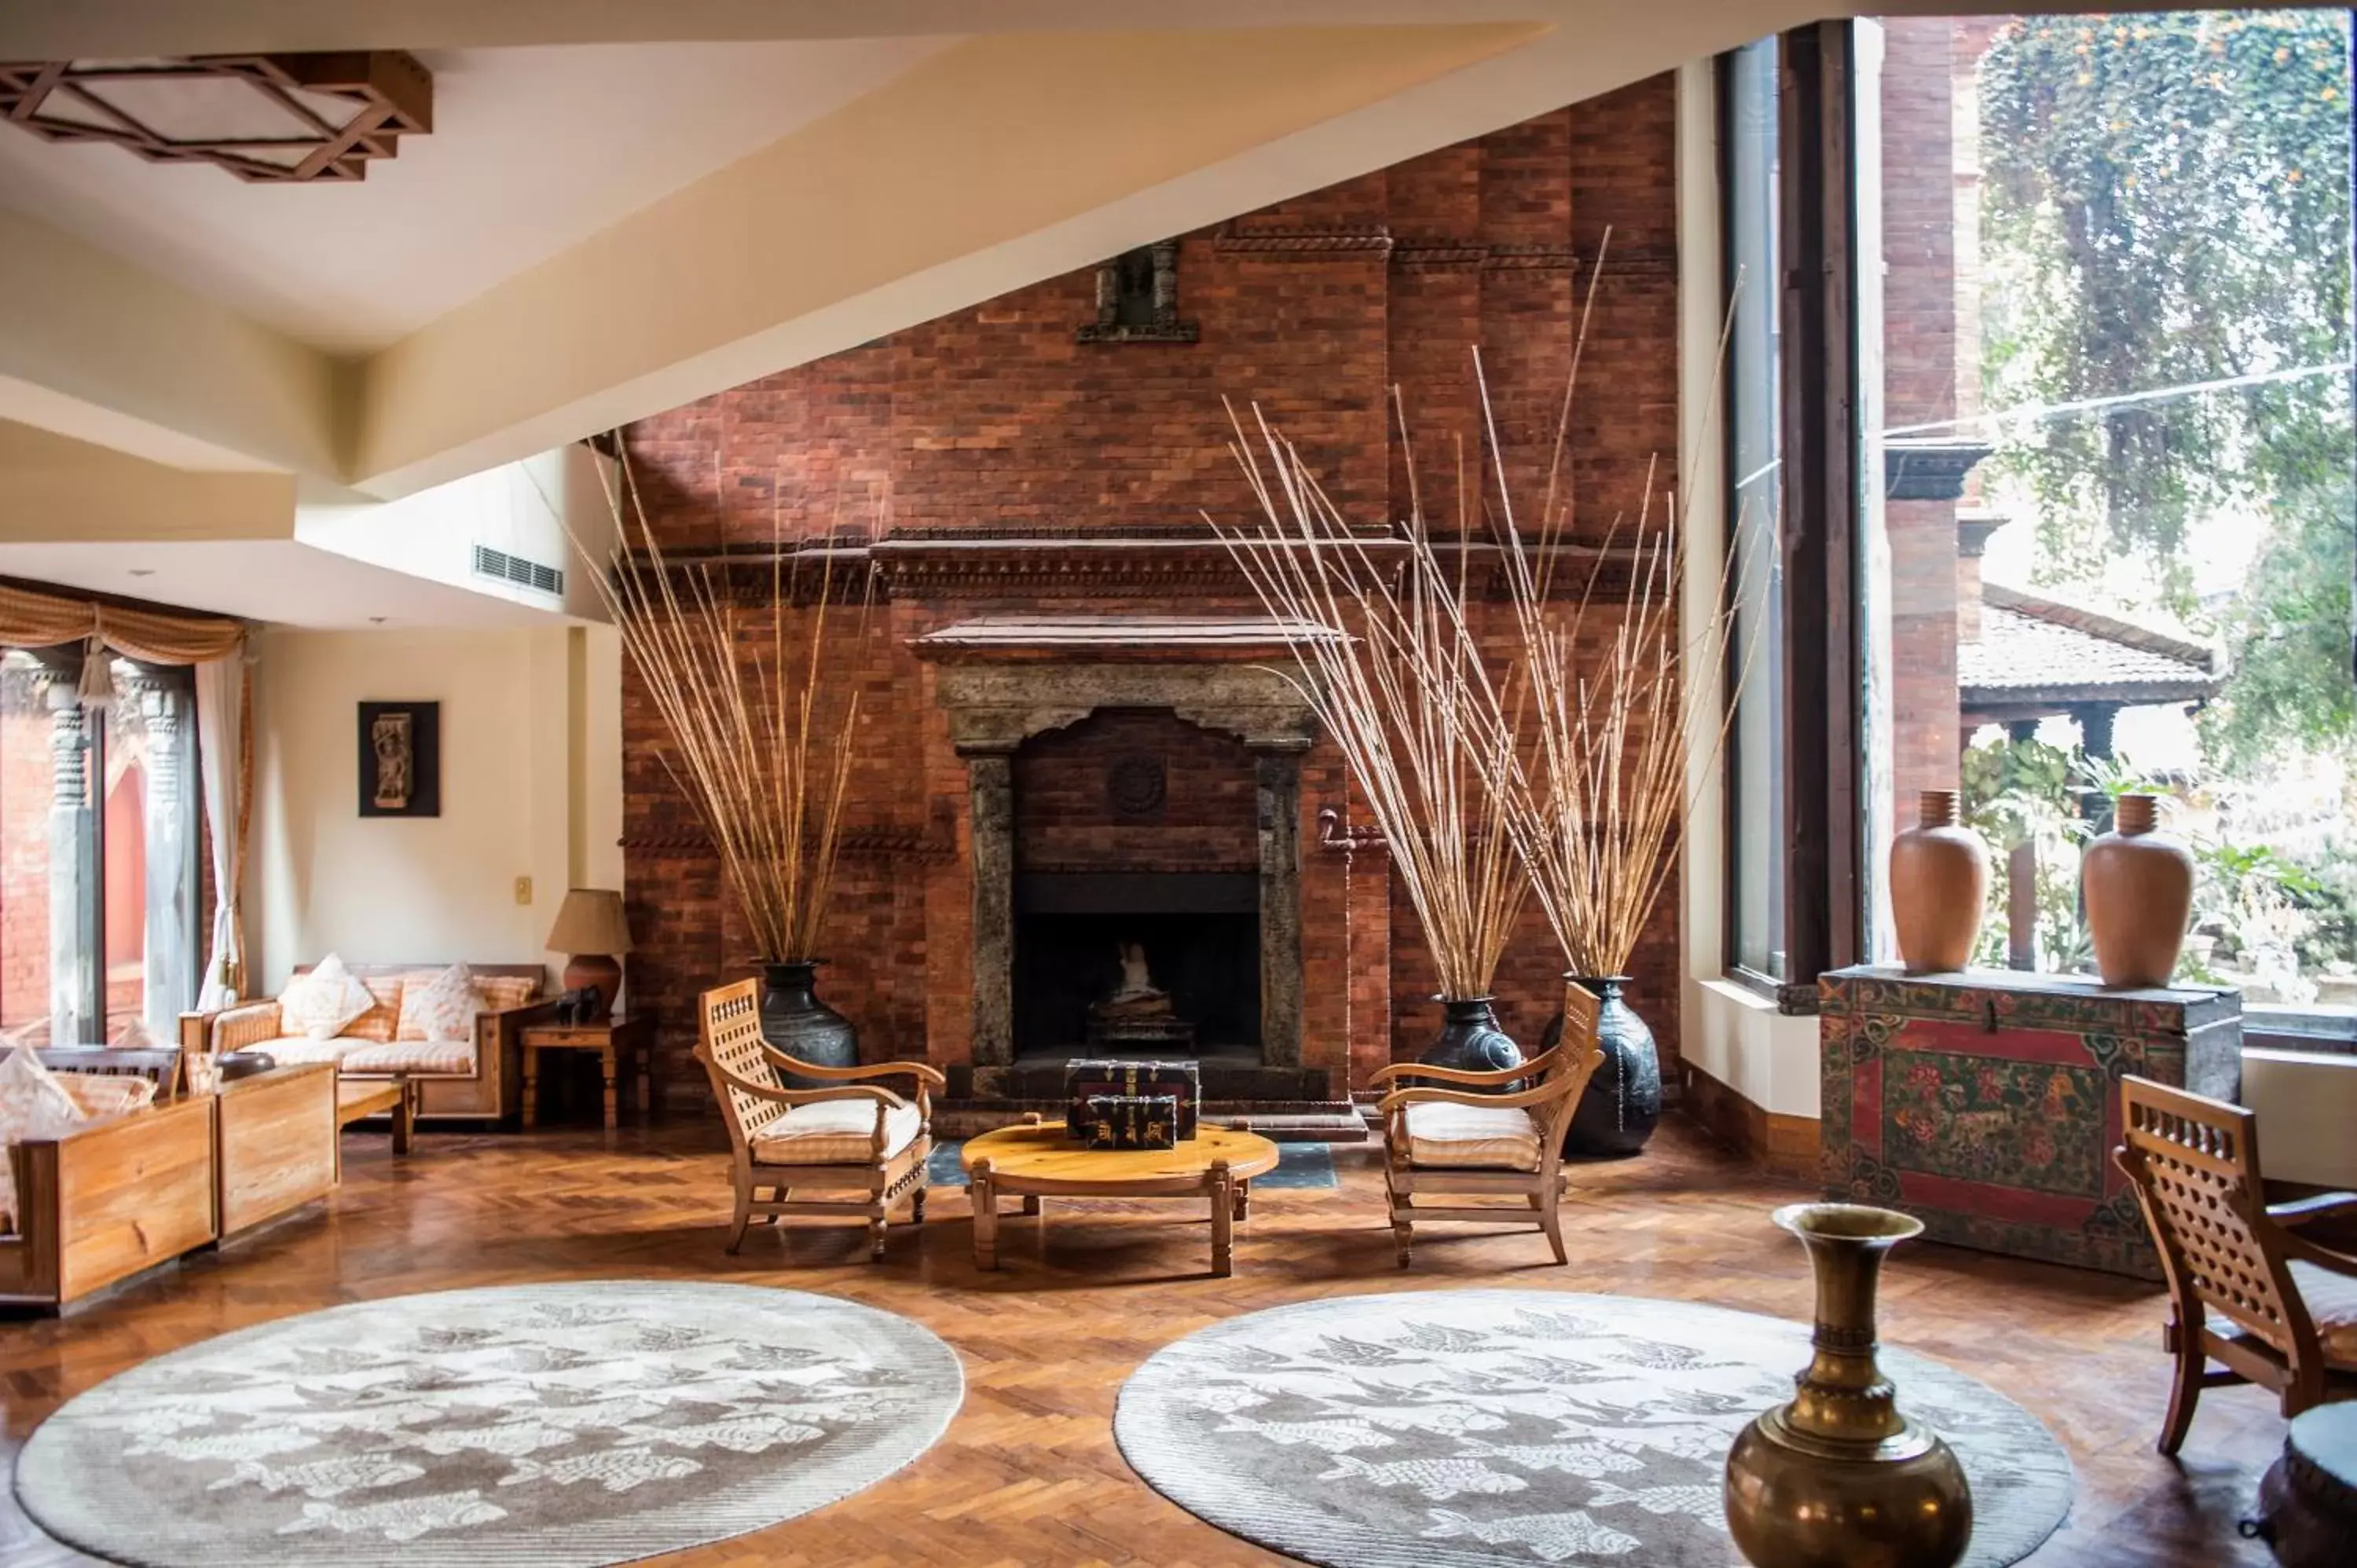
(1987, 1103)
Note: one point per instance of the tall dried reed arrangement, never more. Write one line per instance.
(1378, 633)
(760, 726)
(1592, 767)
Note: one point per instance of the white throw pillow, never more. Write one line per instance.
(33, 1104)
(321, 1003)
(442, 1008)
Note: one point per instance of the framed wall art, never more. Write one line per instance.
(401, 759)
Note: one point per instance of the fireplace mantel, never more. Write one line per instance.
(1002, 680)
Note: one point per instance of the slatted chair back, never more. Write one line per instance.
(730, 1045)
(159, 1066)
(2195, 1164)
(1573, 1061)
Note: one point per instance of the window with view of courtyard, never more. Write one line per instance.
(2116, 465)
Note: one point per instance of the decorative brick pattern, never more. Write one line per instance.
(994, 424)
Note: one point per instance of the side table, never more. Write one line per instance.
(616, 1041)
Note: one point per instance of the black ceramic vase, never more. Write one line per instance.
(1471, 1040)
(793, 1020)
(1623, 1103)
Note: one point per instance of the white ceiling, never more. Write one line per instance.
(278, 582)
(533, 150)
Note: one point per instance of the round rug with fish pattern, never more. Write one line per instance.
(1481, 1429)
(548, 1425)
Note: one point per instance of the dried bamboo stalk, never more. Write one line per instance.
(1385, 665)
(762, 736)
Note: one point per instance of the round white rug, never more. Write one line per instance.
(1451, 1429)
(555, 1425)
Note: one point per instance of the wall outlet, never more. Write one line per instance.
(523, 890)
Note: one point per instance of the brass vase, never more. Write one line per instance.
(1839, 1478)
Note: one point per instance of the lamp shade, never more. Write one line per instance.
(590, 921)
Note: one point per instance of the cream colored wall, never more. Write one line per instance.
(1728, 1031)
(531, 787)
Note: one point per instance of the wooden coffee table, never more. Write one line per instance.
(1039, 1160)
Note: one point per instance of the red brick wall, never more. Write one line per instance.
(994, 422)
(1919, 365)
(1065, 820)
(25, 791)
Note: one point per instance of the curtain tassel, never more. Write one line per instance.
(96, 687)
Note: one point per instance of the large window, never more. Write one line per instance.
(2112, 538)
(1754, 422)
(97, 847)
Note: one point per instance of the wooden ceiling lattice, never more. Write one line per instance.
(288, 119)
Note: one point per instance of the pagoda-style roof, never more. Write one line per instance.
(2039, 655)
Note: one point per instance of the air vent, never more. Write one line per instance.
(523, 574)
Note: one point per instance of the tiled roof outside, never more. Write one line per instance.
(2035, 648)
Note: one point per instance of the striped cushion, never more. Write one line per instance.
(1472, 1137)
(410, 1056)
(380, 1021)
(834, 1133)
(499, 992)
(107, 1094)
(296, 1050)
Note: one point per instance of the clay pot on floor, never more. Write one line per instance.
(1939, 880)
(1471, 1040)
(2138, 885)
(1622, 1103)
(796, 1022)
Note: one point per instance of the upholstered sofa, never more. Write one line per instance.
(474, 1078)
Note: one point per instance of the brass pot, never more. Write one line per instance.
(1839, 1478)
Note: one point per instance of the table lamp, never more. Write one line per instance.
(590, 926)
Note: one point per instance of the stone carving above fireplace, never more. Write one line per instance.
(1004, 680)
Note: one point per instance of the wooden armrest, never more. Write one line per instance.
(1545, 1094)
(2297, 1246)
(770, 1091)
(932, 1077)
(2301, 1210)
(1539, 1063)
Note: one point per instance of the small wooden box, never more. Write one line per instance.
(1987, 1103)
(1086, 1077)
(1130, 1121)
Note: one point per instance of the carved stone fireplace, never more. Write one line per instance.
(1133, 779)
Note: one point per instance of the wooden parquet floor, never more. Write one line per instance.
(1029, 1473)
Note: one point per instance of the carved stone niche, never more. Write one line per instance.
(1004, 680)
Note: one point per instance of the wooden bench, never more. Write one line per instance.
(275, 1145)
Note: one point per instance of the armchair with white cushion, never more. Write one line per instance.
(863, 1144)
(1487, 1134)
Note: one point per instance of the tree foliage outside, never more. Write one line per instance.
(2167, 205)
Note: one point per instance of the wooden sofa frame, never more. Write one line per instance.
(108, 1199)
(491, 1092)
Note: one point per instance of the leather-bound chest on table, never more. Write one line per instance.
(1087, 1078)
(1987, 1103)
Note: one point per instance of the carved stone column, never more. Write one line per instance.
(1278, 795)
(75, 1007)
(167, 713)
(991, 776)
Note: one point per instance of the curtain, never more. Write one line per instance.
(29, 620)
(217, 647)
(225, 765)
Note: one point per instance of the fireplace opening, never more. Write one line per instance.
(1137, 964)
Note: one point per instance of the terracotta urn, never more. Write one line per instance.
(1939, 880)
(2137, 885)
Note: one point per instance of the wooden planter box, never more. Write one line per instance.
(275, 1143)
(108, 1199)
(1987, 1103)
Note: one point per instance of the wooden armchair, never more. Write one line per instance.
(2270, 1307)
(866, 1145)
(1482, 1138)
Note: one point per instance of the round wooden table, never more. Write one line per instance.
(1039, 1160)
